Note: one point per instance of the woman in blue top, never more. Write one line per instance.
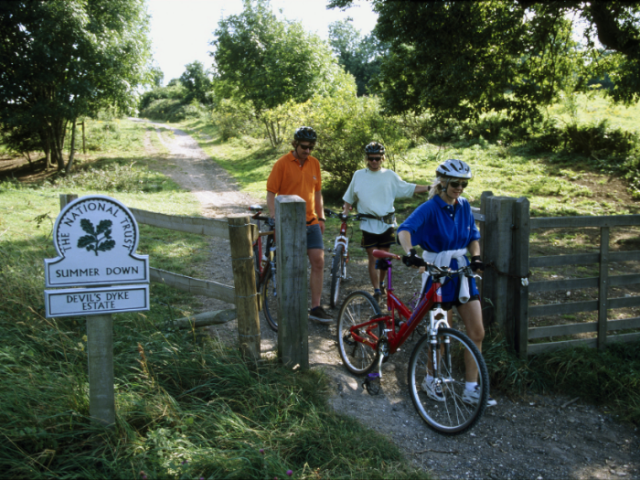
(445, 229)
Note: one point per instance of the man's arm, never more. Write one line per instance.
(421, 189)
(271, 204)
(346, 208)
(320, 208)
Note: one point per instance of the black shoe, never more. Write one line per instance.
(319, 315)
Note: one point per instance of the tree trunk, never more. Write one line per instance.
(72, 148)
(44, 139)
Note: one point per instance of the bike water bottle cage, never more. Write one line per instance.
(382, 264)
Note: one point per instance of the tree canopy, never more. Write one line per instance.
(267, 62)
(62, 59)
(459, 59)
(197, 82)
(360, 56)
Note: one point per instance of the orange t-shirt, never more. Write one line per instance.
(289, 178)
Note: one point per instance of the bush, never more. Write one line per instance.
(173, 92)
(234, 119)
(172, 110)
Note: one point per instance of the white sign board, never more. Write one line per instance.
(71, 302)
(96, 238)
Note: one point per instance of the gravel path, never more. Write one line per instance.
(535, 437)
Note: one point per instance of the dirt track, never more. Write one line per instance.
(537, 437)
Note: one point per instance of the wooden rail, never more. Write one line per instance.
(505, 236)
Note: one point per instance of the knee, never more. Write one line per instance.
(475, 332)
(317, 262)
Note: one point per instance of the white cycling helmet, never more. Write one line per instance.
(454, 168)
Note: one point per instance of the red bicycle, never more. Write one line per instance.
(441, 362)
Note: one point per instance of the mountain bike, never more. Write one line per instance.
(367, 338)
(340, 255)
(264, 255)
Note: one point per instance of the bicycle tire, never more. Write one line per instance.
(338, 269)
(358, 308)
(270, 299)
(451, 416)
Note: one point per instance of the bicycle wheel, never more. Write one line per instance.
(270, 299)
(450, 415)
(338, 269)
(358, 308)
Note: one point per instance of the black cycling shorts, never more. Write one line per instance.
(382, 240)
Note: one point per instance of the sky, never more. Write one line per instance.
(181, 30)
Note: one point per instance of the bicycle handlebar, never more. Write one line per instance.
(343, 217)
(431, 268)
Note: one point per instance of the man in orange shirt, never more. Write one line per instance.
(298, 173)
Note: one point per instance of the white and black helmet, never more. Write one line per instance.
(454, 168)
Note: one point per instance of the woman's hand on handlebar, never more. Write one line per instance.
(414, 261)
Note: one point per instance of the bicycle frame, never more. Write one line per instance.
(342, 239)
(426, 304)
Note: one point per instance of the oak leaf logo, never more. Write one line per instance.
(94, 241)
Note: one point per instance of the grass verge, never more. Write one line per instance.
(610, 378)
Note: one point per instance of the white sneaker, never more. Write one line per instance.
(433, 390)
(473, 396)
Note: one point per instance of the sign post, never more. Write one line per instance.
(96, 238)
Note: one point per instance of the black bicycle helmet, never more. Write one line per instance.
(305, 134)
(454, 168)
(374, 147)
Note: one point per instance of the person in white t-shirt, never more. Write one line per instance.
(373, 191)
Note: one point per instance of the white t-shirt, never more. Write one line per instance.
(374, 193)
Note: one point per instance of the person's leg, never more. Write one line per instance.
(374, 275)
(316, 257)
(471, 314)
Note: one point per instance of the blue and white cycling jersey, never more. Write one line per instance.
(437, 226)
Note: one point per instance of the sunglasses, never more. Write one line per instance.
(306, 147)
(374, 159)
(458, 184)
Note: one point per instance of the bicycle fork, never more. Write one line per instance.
(438, 319)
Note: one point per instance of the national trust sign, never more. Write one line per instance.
(96, 238)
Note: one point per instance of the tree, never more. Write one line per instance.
(460, 59)
(360, 56)
(62, 59)
(268, 62)
(197, 82)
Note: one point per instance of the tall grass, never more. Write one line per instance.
(610, 377)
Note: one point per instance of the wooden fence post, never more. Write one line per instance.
(498, 250)
(487, 309)
(603, 288)
(102, 406)
(521, 269)
(66, 198)
(292, 282)
(244, 281)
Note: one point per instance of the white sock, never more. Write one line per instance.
(470, 385)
